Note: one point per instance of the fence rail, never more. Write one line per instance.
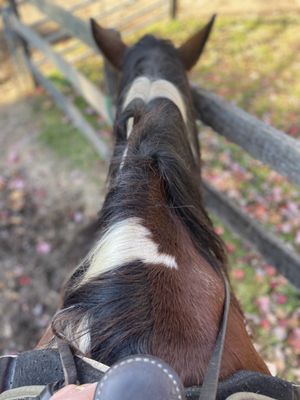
(73, 25)
(274, 250)
(82, 85)
(72, 112)
(263, 142)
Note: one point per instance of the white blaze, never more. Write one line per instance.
(145, 89)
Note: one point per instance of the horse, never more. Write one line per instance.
(152, 282)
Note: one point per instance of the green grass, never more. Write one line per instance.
(58, 133)
(253, 62)
(60, 136)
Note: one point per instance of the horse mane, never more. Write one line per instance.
(127, 198)
(154, 307)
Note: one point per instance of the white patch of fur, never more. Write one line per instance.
(129, 126)
(83, 336)
(147, 90)
(124, 242)
(123, 158)
(79, 335)
(128, 132)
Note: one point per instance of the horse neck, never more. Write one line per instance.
(156, 148)
(155, 239)
(152, 277)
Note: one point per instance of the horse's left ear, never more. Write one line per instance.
(192, 49)
(109, 43)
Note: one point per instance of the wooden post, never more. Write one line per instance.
(83, 85)
(74, 114)
(263, 142)
(23, 50)
(273, 249)
(173, 9)
(23, 78)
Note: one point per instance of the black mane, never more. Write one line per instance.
(160, 149)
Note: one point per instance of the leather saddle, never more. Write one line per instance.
(141, 376)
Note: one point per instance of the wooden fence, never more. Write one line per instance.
(272, 147)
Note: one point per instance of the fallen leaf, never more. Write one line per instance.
(270, 270)
(280, 333)
(265, 324)
(263, 303)
(230, 247)
(24, 280)
(297, 237)
(238, 274)
(294, 340)
(43, 247)
(293, 131)
(219, 230)
(2, 183)
(281, 298)
(260, 211)
(15, 220)
(13, 157)
(16, 184)
(16, 200)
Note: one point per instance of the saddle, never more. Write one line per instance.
(37, 374)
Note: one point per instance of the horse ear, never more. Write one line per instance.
(110, 43)
(192, 49)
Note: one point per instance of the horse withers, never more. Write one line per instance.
(152, 282)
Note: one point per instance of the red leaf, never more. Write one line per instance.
(265, 324)
(293, 131)
(219, 230)
(24, 280)
(281, 299)
(238, 274)
(230, 247)
(270, 270)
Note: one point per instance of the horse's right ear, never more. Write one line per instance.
(110, 43)
(192, 49)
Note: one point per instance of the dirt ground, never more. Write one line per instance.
(44, 205)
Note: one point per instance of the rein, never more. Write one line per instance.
(210, 383)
